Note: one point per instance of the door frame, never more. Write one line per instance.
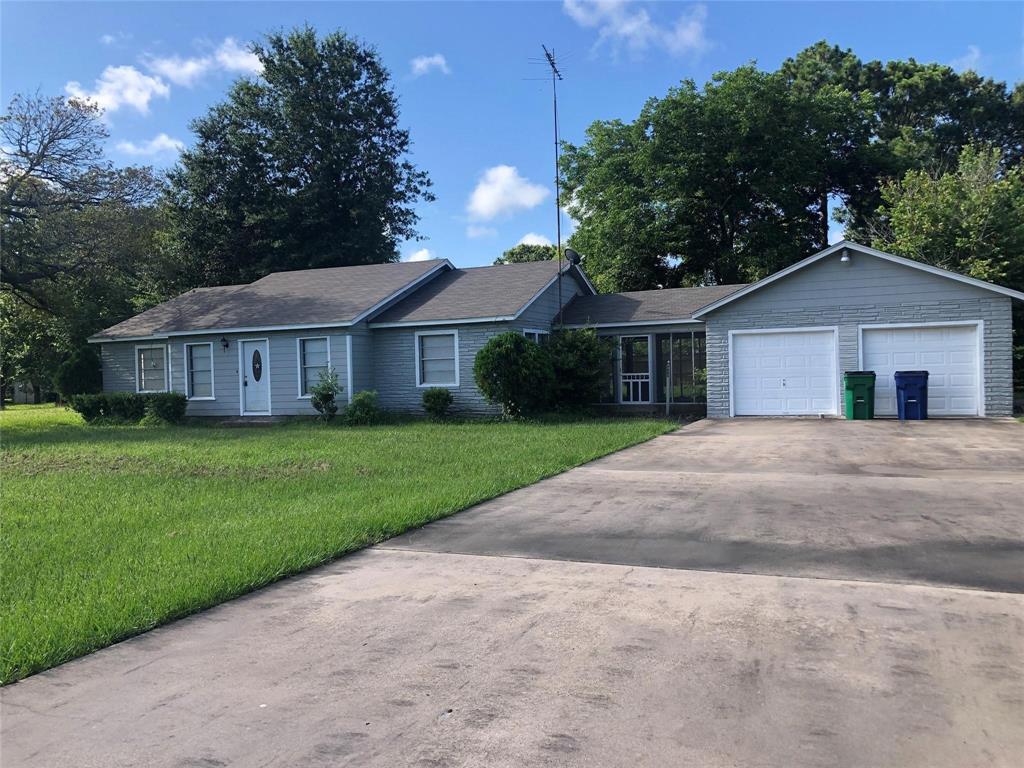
(241, 374)
(650, 369)
(979, 333)
(805, 329)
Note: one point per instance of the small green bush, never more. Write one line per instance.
(80, 374)
(515, 373)
(126, 407)
(90, 407)
(166, 407)
(437, 401)
(363, 409)
(580, 362)
(324, 395)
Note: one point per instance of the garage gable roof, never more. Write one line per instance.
(856, 247)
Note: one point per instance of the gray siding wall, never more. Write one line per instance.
(362, 359)
(867, 290)
(394, 367)
(118, 360)
(544, 311)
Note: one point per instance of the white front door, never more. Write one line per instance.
(949, 354)
(783, 373)
(254, 370)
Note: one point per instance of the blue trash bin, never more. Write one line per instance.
(912, 394)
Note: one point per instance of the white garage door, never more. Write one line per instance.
(948, 353)
(789, 373)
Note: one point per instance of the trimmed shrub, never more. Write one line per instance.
(363, 409)
(324, 395)
(437, 401)
(515, 373)
(579, 359)
(90, 407)
(79, 374)
(166, 407)
(130, 408)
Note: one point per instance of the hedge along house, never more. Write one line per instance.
(257, 349)
(776, 347)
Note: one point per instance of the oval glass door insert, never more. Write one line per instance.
(257, 365)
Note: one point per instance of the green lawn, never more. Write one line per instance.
(109, 531)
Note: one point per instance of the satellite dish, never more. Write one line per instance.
(572, 257)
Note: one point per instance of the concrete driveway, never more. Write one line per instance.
(756, 593)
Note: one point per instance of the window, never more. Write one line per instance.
(151, 368)
(314, 359)
(199, 371)
(437, 359)
(541, 337)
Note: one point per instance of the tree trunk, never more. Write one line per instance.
(37, 394)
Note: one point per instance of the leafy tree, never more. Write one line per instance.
(30, 349)
(79, 374)
(970, 220)
(65, 209)
(304, 167)
(524, 252)
(709, 185)
(515, 373)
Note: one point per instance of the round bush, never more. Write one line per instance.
(515, 373)
(437, 401)
(80, 374)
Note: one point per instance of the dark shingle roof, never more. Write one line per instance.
(303, 297)
(643, 306)
(478, 292)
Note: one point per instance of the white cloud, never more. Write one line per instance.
(121, 86)
(157, 145)
(236, 58)
(970, 60)
(532, 238)
(108, 39)
(501, 190)
(622, 24)
(423, 65)
(181, 71)
(477, 230)
(423, 254)
(187, 71)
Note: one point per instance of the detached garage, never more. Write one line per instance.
(780, 346)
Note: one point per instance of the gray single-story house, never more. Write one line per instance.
(772, 348)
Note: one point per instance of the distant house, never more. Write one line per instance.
(775, 347)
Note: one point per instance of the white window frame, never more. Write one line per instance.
(539, 332)
(416, 355)
(188, 384)
(138, 378)
(298, 360)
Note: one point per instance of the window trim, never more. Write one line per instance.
(538, 331)
(416, 355)
(138, 378)
(298, 360)
(188, 387)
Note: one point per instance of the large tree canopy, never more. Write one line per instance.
(304, 167)
(67, 213)
(524, 252)
(733, 180)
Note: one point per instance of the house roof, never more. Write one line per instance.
(858, 248)
(643, 307)
(496, 293)
(310, 297)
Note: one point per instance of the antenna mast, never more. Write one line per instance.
(555, 77)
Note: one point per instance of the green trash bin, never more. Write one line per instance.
(859, 387)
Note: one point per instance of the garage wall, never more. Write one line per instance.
(866, 290)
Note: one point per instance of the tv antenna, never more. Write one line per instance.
(556, 75)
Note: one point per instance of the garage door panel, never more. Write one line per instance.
(948, 353)
(799, 380)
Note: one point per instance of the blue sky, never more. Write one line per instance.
(465, 76)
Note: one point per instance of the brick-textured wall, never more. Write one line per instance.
(994, 310)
